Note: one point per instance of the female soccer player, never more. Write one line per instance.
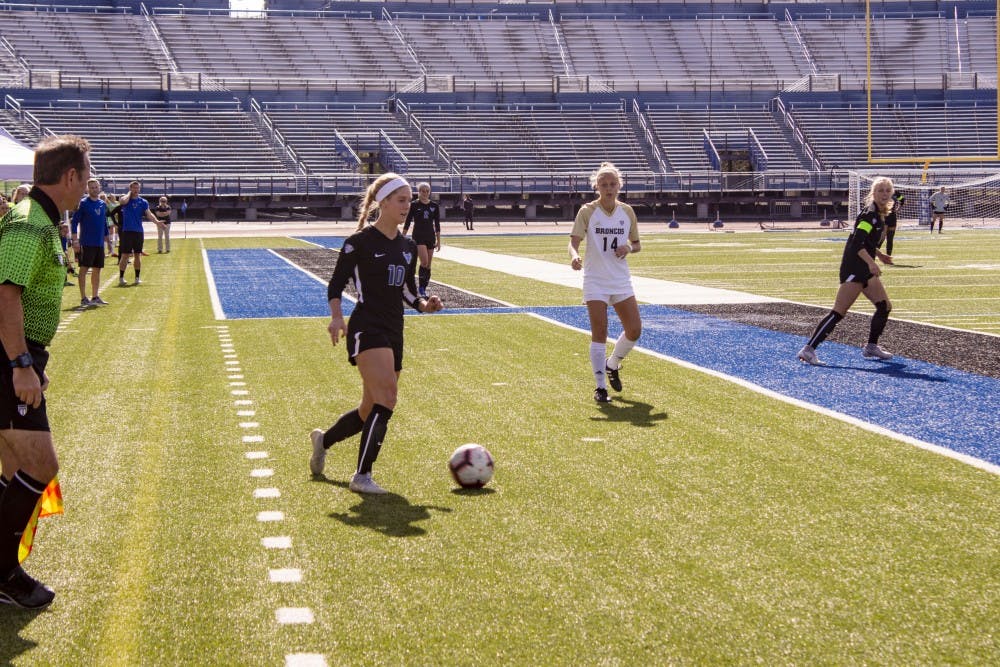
(612, 232)
(859, 274)
(381, 262)
(426, 219)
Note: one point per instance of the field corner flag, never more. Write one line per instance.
(50, 503)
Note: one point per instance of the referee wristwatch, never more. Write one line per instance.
(22, 361)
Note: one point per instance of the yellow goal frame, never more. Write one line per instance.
(926, 159)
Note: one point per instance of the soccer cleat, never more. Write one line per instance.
(138, 281)
(363, 483)
(601, 395)
(98, 301)
(808, 355)
(318, 459)
(84, 302)
(122, 283)
(612, 375)
(873, 351)
(21, 590)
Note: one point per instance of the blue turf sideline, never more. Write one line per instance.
(254, 283)
(934, 404)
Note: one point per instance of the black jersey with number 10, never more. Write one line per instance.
(383, 273)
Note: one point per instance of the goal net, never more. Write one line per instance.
(974, 195)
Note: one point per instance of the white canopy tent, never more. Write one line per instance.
(17, 162)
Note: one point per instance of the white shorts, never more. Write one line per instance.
(606, 297)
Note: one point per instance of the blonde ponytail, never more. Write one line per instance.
(368, 203)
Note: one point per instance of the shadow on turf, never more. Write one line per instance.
(391, 514)
(896, 369)
(633, 412)
(12, 644)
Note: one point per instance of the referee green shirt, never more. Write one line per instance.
(31, 256)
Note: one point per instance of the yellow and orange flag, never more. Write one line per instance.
(50, 503)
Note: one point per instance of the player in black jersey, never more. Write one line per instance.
(426, 219)
(859, 274)
(381, 263)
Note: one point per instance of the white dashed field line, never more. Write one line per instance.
(282, 615)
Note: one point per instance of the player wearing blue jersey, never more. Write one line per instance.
(89, 230)
(859, 274)
(426, 218)
(381, 263)
(133, 210)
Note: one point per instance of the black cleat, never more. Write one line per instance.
(613, 379)
(601, 395)
(20, 589)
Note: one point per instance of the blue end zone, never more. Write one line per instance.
(257, 283)
(935, 404)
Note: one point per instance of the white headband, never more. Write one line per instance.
(390, 187)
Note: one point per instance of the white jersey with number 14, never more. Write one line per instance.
(606, 232)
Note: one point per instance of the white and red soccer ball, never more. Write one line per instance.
(471, 466)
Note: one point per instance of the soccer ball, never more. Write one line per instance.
(471, 466)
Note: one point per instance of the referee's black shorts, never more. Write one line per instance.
(363, 336)
(13, 413)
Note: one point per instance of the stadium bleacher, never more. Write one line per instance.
(476, 87)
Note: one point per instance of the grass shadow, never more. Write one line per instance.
(12, 644)
(390, 514)
(636, 413)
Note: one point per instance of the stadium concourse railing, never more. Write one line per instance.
(528, 184)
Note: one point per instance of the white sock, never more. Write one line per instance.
(597, 352)
(622, 347)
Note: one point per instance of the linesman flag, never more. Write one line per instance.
(50, 503)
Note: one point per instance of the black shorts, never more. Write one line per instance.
(365, 337)
(14, 413)
(855, 272)
(130, 242)
(92, 257)
(427, 238)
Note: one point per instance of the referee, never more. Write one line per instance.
(32, 272)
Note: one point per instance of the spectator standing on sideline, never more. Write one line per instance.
(133, 210)
(89, 231)
(940, 201)
(426, 218)
(64, 242)
(612, 233)
(31, 277)
(468, 207)
(112, 235)
(162, 213)
(21, 192)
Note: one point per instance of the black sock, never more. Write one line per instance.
(423, 276)
(372, 436)
(879, 320)
(350, 423)
(137, 274)
(18, 503)
(121, 274)
(824, 328)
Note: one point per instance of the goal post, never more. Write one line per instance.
(974, 194)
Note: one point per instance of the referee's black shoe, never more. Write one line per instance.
(20, 589)
(613, 379)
